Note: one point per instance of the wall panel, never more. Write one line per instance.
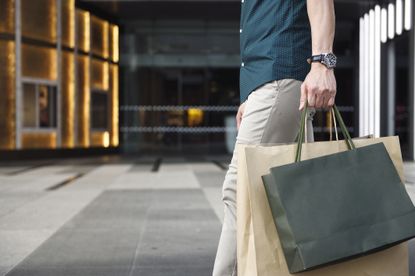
(100, 74)
(68, 23)
(83, 100)
(83, 30)
(39, 19)
(7, 95)
(99, 37)
(114, 43)
(7, 12)
(39, 62)
(114, 121)
(68, 99)
(100, 139)
(45, 140)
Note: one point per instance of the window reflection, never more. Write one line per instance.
(29, 105)
(99, 110)
(47, 106)
(39, 106)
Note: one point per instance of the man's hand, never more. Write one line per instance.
(319, 87)
(239, 115)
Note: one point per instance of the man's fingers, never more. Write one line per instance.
(303, 96)
(319, 100)
(331, 101)
(239, 115)
(238, 119)
(311, 98)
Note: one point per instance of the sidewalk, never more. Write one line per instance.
(114, 217)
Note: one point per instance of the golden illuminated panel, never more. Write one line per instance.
(114, 140)
(99, 37)
(6, 16)
(100, 139)
(100, 75)
(83, 100)
(83, 20)
(68, 99)
(7, 95)
(68, 23)
(39, 19)
(114, 43)
(194, 117)
(39, 140)
(39, 62)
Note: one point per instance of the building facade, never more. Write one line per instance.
(59, 77)
(386, 72)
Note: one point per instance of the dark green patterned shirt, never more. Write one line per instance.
(275, 40)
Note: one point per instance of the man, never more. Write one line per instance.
(279, 40)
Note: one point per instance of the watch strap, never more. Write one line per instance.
(315, 58)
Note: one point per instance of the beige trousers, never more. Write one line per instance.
(271, 116)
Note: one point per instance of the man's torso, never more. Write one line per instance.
(275, 41)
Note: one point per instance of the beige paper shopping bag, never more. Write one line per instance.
(259, 249)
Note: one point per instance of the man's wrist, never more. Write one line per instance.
(320, 66)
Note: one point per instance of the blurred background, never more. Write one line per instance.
(160, 77)
(117, 120)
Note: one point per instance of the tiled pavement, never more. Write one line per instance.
(110, 217)
(113, 216)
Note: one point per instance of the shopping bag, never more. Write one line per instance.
(339, 206)
(259, 250)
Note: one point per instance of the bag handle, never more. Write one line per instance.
(345, 132)
(332, 124)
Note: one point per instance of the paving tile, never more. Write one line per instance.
(141, 167)
(103, 235)
(12, 169)
(10, 201)
(17, 244)
(99, 178)
(49, 212)
(156, 230)
(173, 271)
(179, 237)
(79, 169)
(210, 179)
(72, 270)
(214, 197)
(156, 180)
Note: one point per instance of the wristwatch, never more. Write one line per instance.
(328, 59)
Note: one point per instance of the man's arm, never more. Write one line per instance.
(319, 87)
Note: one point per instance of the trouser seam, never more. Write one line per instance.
(274, 106)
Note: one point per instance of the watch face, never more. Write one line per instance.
(330, 60)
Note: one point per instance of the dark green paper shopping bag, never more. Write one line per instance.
(340, 206)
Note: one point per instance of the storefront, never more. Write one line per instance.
(386, 78)
(59, 77)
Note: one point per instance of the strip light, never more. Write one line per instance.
(399, 17)
(376, 69)
(371, 100)
(362, 36)
(408, 15)
(366, 79)
(391, 21)
(384, 25)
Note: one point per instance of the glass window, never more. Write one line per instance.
(47, 106)
(39, 106)
(29, 105)
(99, 110)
